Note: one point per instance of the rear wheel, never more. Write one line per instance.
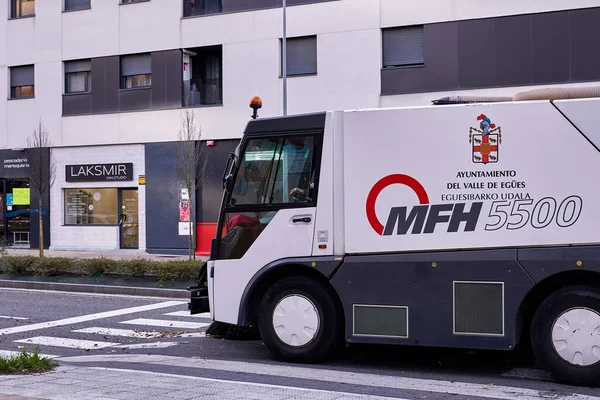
(300, 320)
(565, 335)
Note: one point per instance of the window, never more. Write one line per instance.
(201, 7)
(136, 71)
(403, 47)
(91, 207)
(78, 76)
(73, 5)
(272, 168)
(22, 8)
(301, 55)
(202, 76)
(21, 82)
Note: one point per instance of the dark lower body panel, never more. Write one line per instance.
(468, 299)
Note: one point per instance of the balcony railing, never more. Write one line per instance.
(203, 92)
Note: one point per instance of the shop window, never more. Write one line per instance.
(18, 216)
(91, 206)
(136, 71)
(22, 82)
(22, 8)
(78, 76)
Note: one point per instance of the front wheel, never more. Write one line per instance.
(565, 335)
(300, 320)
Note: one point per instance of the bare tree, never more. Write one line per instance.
(191, 167)
(42, 170)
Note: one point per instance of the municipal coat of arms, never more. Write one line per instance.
(486, 142)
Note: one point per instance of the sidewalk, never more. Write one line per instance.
(106, 284)
(85, 383)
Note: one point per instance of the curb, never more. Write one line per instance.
(99, 289)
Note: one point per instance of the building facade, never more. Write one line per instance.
(110, 79)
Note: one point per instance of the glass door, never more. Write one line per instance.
(128, 218)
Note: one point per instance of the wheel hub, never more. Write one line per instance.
(296, 320)
(576, 336)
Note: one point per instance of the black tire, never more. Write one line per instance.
(541, 334)
(330, 334)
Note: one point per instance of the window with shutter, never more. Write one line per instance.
(21, 82)
(301, 55)
(403, 46)
(78, 76)
(136, 71)
(73, 5)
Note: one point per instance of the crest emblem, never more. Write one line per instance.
(486, 142)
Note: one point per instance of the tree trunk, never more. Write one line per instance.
(41, 226)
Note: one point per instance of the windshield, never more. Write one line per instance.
(275, 170)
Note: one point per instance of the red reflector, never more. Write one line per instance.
(210, 143)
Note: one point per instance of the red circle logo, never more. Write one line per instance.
(382, 184)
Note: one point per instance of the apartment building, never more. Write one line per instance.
(110, 79)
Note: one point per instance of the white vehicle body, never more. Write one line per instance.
(446, 226)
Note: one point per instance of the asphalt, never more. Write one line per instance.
(100, 284)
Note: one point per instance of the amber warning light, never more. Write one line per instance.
(255, 104)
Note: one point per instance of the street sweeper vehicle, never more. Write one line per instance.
(467, 224)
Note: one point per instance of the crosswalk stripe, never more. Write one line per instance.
(66, 342)
(187, 314)
(9, 317)
(132, 333)
(153, 345)
(90, 317)
(10, 353)
(165, 323)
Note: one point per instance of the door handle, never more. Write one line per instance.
(303, 219)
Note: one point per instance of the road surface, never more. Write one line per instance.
(158, 338)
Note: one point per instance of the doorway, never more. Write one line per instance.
(128, 219)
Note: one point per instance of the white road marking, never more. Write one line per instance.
(88, 294)
(187, 314)
(66, 342)
(351, 378)
(90, 317)
(132, 333)
(280, 391)
(165, 323)
(153, 345)
(9, 353)
(7, 317)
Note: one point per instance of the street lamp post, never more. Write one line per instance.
(284, 66)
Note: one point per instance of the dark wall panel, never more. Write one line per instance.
(550, 43)
(211, 189)
(174, 78)
(98, 84)
(244, 5)
(162, 198)
(396, 80)
(513, 50)
(159, 80)
(441, 56)
(585, 40)
(74, 104)
(544, 48)
(112, 84)
(135, 99)
(476, 53)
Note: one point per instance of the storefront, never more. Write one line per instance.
(97, 200)
(19, 225)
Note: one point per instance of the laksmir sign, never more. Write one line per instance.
(510, 209)
(99, 172)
